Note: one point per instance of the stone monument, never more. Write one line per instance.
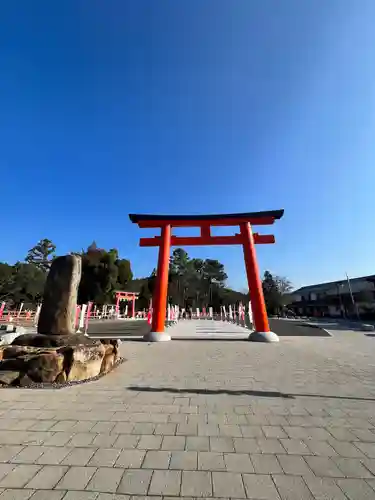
(57, 354)
(57, 316)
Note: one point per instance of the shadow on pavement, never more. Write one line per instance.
(265, 394)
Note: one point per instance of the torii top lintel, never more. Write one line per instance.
(126, 295)
(255, 218)
(205, 222)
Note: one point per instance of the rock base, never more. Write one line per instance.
(55, 359)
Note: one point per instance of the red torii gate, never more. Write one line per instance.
(245, 237)
(127, 297)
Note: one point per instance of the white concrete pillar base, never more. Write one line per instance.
(263, 337)
(157, 337)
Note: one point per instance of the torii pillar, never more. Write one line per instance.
(246, 238)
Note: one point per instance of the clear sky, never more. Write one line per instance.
(114, 106)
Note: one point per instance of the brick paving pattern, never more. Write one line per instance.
(201, 419)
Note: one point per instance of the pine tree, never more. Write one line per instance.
(42, 254)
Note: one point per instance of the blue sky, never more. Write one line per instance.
(111, 107)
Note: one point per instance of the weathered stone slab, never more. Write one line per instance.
(57, 315)
(40, 340)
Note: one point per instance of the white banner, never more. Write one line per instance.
(250, 313)
(82, 317)
(19, 312)
(37, 314)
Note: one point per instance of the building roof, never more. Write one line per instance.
(275, 214)
(323, 286)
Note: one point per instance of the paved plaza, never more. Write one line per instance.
(197, 419)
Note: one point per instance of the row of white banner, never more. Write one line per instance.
(174, 312)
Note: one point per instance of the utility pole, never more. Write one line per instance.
(352, 297)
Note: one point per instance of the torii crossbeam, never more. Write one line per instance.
(245, 237)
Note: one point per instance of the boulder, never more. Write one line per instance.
(111, 346)
(8, 377)
(108, 349)
(44, 367)
(57, 315)
(108, 362)
(61, 378)
(8, 351)
(39, 367)
(13, 365)
(24, 381)
(83, 361)
(37, 340)
(37, 358)
(15, 351)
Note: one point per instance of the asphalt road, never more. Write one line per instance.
(293, 328)
(118, 328)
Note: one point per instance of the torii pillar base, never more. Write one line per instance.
(263, 337)
(157, 337)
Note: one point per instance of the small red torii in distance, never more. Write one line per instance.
(245, 237)
(126, 296)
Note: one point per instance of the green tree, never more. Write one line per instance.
(99, 276)
(103, 272)
(125, 274)
(6, 280)
(151, 281)
(25, 284)
(42, 254)
(275, 290)
(178, 274)
(144, 297)
(195, 282)
(214, 278)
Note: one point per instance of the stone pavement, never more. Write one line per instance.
(208, 329)
(291, 421)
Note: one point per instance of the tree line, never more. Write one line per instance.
(103, 272)
(193, 282)
(202, 283)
